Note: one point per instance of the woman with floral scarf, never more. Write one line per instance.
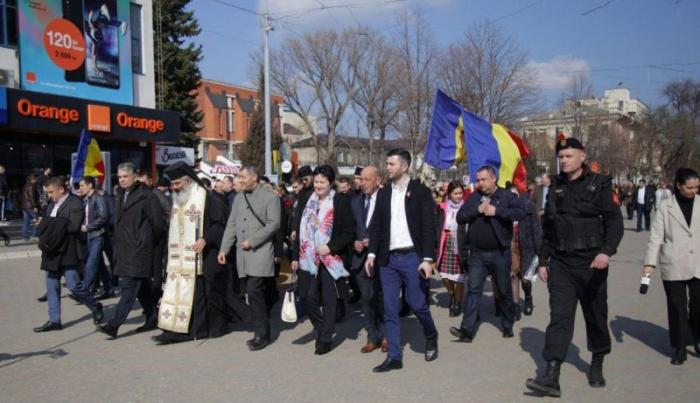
(326, 230)
(452, 252)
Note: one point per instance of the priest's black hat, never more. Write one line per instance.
(180, 169)
(358, 171)
(571, 142)
(304, 171)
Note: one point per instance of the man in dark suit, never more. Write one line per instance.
(402, 248)
(64, 215)
(540, 195)
(363, 207)
(644, 198)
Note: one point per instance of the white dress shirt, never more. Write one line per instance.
(370, 210)
(400, 236)
(54, 210)
(640, 195)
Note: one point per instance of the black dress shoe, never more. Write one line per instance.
(161, 339)
(431, 348)
(528, 308)
(697, 347)
(151, 324)
(7, 240)
(98, 315)
(108, 330)
(43, 298)
(679, 357)
(48, 327)
(508, 333)
(257, 343)
(105, 295)
(323, 348)
(388, 365)
(462, 335)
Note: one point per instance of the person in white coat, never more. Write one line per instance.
(673, 247)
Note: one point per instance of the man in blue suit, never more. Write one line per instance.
(363, 206)
(402, 247)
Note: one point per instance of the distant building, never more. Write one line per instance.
(227, 110)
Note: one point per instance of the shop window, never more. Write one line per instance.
(8, 23)
(136, 44)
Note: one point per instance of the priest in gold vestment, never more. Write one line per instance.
(196, 298)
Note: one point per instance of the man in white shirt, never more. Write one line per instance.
(401, 250)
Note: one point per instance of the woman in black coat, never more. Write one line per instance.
(325, 230)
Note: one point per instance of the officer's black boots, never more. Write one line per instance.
(548, 383)
(595, 371)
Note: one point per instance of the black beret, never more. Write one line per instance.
(163, 182)
(304, 171)
(571, 142)
(358, 171)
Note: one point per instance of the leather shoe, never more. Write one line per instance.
(257, 343)
(388, 365)
(105, 295)
(48, 326)
(385, 345)
(431, 348)
(462, 335)
(323, 348)
(369, 347)
(151, 324)
(108, 330)
(528, 308)
(508, 333)
(98, 315)
(679, 357)
(43, 298)
(161, 339)
(697, 347)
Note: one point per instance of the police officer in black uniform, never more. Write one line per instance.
(582, 229)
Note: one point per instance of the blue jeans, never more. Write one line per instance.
(28, 216)
(642, 212)
(481, 264)
(53, 291)
(93, 264)
(402, 269)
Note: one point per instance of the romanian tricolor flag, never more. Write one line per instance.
(454, 129)
(88, 161)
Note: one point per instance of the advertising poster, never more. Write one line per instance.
(79, 48)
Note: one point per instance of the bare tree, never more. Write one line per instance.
(416, 52)
(489, 75)
(579, 89)
(372, 62)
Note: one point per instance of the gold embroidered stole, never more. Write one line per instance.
(186, 227)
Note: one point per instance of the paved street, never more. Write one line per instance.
(79, 365)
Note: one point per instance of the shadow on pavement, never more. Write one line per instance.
(652, 335)
(532, 341)
(53, 352)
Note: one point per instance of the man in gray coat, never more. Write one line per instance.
(252, 225)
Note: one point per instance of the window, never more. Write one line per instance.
(136, 45)
(620, 105)
(229, 114)
(8, 23)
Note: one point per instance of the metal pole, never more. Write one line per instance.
(267, 26)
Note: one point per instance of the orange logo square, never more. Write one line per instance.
(31, 77)
(98, 118)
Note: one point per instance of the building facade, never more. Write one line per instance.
(228, 109)
(68, 67)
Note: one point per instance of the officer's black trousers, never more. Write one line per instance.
(567, 287)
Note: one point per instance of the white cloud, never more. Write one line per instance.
(556, 73)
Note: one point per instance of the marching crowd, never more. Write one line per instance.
(201, 256)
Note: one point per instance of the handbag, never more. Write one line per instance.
(289, 306)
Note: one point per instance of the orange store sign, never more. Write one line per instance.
(131, 122)
(35, 110)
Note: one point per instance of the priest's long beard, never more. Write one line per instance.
(180, 197)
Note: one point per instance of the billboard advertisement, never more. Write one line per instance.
(78, 48)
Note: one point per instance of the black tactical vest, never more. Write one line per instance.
(577, 215)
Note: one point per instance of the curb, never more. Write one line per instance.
(20, 255)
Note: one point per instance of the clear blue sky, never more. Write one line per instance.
(641, 43)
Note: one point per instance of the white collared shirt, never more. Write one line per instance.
(370, 210)
(54, 210)
(400, 236)
(640, 195)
